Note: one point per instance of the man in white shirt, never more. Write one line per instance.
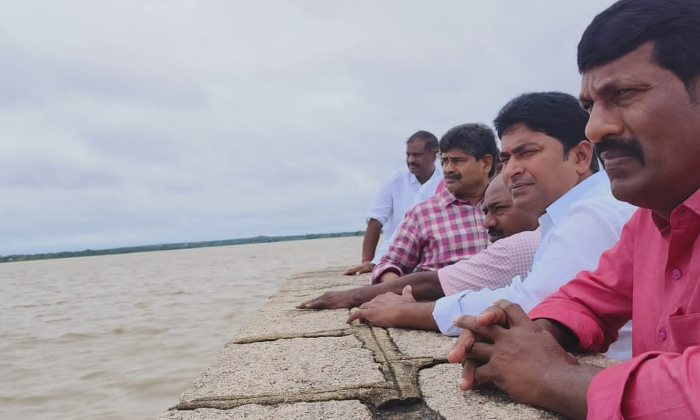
(398, 194)
(552, 171)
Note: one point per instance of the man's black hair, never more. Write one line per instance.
(477, 140)
(673, 26)
(431, 142)
(555, 114)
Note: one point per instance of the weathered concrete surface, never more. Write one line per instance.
(298, 364)
(330, 410)
(322, 280)
(440, 391)
(283, 371)
(422, 344)
(283, 320)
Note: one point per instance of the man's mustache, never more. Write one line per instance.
(495, 232)
(630, 146)
(454, 177)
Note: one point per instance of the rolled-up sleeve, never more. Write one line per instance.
(493, 267)
(382, 206)
(405, 251)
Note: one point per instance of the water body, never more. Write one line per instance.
(120, 337)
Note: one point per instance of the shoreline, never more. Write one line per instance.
(174, 246)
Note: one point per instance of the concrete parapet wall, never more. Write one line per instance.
(293, 364)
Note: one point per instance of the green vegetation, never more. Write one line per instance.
(167, 247)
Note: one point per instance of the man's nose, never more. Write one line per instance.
(490, 222)
(603, 122)
(512, 168)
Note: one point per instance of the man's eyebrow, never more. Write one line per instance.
(519, 148)
(495, 203)
(602, 89)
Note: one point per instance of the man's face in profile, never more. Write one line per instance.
(646, 128)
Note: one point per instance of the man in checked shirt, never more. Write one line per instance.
(449, 226)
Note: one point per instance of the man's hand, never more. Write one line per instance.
(383, 310)
(360, 269)
(503, 346)
(492, 315)
(332, 300)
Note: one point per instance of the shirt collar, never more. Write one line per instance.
(446, 198)
(561, 206)
(692, 204)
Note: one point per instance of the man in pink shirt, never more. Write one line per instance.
(640, 61)
(515, 242)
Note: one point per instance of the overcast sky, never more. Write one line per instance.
(137, 122)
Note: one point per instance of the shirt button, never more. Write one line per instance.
(676, 274)
(662, 335)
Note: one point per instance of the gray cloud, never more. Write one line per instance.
(139, 122)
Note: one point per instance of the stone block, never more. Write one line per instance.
(286, 371)
(298, 296)
(422, 344)
(440, 391)
(329, 410)
(282, 320)
(322, 281)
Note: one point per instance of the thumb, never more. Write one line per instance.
(407, 292)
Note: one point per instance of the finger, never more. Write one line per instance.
(466, 382)
(365, 305)
(365, 269)
(515, 313)
(462, 345)
(465, 322)
(358, 314)
(492, 315)
(351, 271)
(316, 304)
(407, 292)
(307, 304)
(483, 375)
(483, 332)
(480, 352)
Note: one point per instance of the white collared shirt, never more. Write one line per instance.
(576, 230)
(396, 198)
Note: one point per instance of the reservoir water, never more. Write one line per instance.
(120, 337)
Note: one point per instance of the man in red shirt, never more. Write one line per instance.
(640, 62)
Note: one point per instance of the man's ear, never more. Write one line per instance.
(487, 163)
(583, 154)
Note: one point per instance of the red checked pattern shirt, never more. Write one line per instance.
(653, 277)
(435, 233)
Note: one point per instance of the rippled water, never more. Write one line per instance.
(120, 337)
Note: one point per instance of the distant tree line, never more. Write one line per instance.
(183, 245)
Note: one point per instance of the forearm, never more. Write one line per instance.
(417, 315)
(369, 244)
(425, 284)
